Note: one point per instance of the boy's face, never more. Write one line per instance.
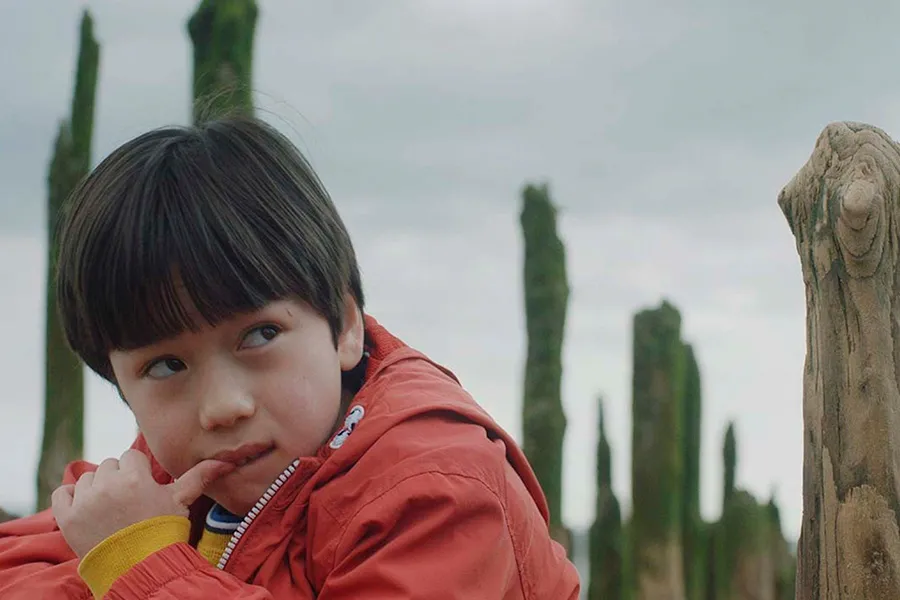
(263, 387)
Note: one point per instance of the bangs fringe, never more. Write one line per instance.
(181, 252)
(182, 228)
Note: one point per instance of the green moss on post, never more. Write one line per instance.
(606, 533)
(729, 456)
(724, 544)
(711, 535)
(742, 554)
(222, 33)
(745, 562)
(692, 544)
(546, 302)
(628, 581)
(785, 563)
(657, 465)
(63, 432)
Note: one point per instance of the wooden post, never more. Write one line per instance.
(63, 430)
(546, 291)
(222, 33)
(843, 208)
(657, 454)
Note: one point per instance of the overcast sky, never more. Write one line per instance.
(666, 129)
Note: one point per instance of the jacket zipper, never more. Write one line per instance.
(254, 512)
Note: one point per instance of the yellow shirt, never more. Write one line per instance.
(112, 557)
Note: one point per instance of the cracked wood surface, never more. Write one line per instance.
(843, 207)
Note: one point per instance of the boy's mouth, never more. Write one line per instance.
(245, 454)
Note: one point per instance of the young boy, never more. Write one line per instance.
(290, 447)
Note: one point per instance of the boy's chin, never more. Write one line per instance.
(240, 490)
(235, 505)
(237, 497)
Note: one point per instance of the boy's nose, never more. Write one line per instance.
(225, 407)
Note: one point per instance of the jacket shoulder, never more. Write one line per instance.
(436, 442)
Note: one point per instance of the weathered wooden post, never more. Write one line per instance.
(657, 454)
(62, 439)
(692, 546)
(222, 33)
(546, 287)
(606, 582)
(843, 208)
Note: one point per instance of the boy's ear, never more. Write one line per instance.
(351, 340)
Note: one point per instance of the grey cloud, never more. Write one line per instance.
(624, 110)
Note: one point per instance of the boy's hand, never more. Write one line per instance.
(123, 492)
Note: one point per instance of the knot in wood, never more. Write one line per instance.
(859, 203)
(860, 227)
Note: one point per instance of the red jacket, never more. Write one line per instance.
(424, 497)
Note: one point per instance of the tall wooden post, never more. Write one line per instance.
(843, 208)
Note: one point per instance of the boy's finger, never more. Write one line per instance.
(84, 482)
(190, 486)
(109, 465)
(134, 459)
(61, 499)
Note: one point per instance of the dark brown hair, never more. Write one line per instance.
(229, 209)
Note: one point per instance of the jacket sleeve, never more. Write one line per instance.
(35, 560)
(435, 536)
(178, 572)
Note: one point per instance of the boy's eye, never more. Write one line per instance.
(259, 336)
(165, 368)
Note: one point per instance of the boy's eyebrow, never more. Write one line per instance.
(149, 350)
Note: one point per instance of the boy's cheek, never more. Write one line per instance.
(169, 445)
(173, 463)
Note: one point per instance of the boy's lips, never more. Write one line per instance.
(244, 454)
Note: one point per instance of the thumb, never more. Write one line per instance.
(187, 488)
